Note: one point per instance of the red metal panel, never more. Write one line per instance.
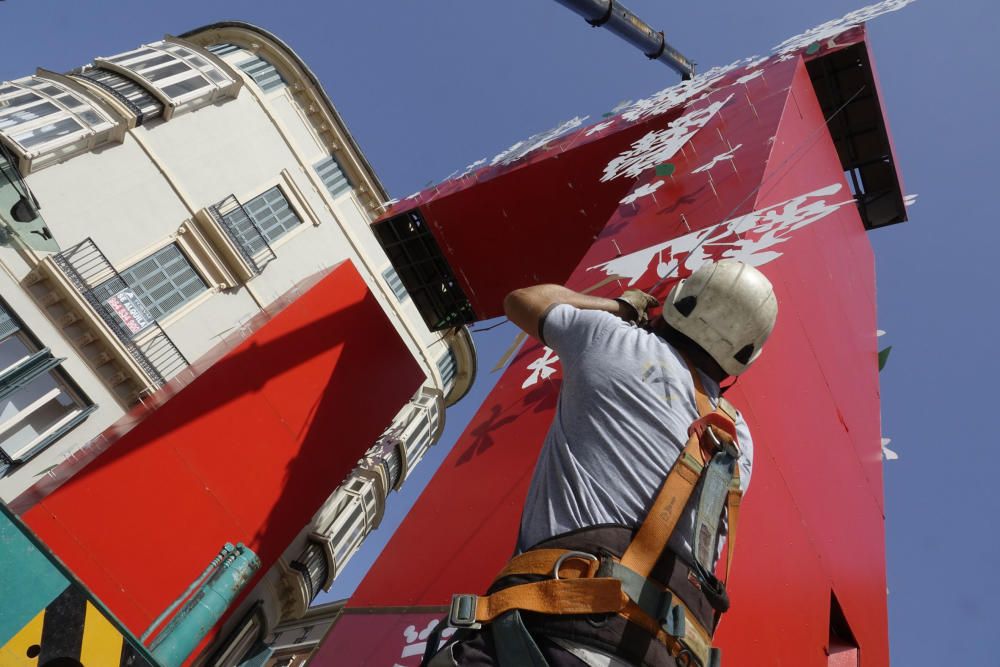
(812, 522)
(247, 452)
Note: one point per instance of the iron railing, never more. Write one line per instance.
(95, 279)
(243, 232)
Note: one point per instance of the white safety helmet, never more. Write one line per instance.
(728, 308)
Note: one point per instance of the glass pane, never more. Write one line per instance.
(167, 71)
(131, 55)
(31, 411)
(146, 65)
(48, 132)
(20, 116)
(185, 86)
(12, 352)
(18, 100)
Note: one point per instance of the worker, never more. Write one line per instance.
(637, 484)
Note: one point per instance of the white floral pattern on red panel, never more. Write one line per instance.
(831, 29)
(522, 148)
(659, 146)
(749, 238)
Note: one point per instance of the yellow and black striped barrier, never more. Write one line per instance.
(47, 617)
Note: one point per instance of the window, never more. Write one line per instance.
(177, 72)
(272, 214)
(349, 533)
(135, 97)
(45, 117)
(222, 49)
(395, 284)
(333, 176)
(37, 403)
(447, 367)
(416, 438)
(393, 465)
(263, 73)
(164, 281)
(311, 563)
(241, 230)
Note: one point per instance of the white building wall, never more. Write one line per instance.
(115, 196)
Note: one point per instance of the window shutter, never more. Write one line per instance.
(164, 281)
(395, 284)
(264, 74)
(333, 176)
(222, 49)
(272, 213)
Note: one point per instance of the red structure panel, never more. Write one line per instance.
(246, 452)
(760, 180)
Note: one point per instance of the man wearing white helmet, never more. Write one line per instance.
(626, 515)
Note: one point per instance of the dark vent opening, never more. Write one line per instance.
(425, 273)
(859, 133)
(842, 648)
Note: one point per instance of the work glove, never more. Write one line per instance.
(638, 302)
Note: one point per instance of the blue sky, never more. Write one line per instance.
(428, 87)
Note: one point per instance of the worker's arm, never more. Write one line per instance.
(527, 306)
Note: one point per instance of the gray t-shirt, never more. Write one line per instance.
(626, 402)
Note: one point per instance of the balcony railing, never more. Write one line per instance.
(94, 277)
(244, 233)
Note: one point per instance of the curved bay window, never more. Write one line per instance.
(179, 76)
(45, 120)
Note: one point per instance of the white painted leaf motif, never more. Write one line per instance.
(642, 191)
(541, 368)
(522, 148)
(728, 155)
(660, 145)
(833, 28)
(600, 126)
(749, 77)
(416, 643)
(761, 230)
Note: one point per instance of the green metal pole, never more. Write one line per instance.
(187, 629)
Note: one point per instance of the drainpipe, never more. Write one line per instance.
(614, 16)
(216, 588)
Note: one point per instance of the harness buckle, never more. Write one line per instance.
(568, 555)
(463, 611)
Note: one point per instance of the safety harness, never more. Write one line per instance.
(563, 582)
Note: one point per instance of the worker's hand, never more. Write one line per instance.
(639, 302)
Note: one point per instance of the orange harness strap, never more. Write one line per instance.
(660, 522)
(575, 588)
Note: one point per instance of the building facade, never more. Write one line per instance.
(154, 205)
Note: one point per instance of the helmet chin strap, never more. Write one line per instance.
(723, 390)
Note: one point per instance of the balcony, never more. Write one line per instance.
(93, 304)
(237, 236)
